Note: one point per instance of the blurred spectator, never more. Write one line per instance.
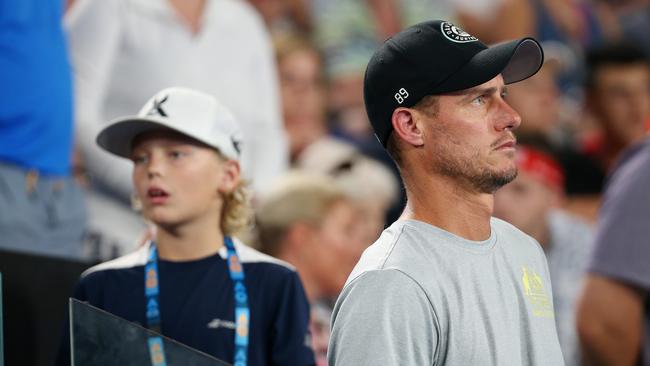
(613, 314)
(123, 51)
(628, 19)
(348, 32)
(372, 186)
(320, 331)
(618, 104)
(302, 89)
(618, 99)
(41, 206)
(304, 110)
(283, 16)
(573, 22)
(548, 110)
(531, 202)
(308, 221)
(537, 100)
(496, 20)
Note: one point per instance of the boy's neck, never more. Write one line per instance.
(189, 241)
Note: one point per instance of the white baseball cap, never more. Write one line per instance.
(190, 112)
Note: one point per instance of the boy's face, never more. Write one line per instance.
(178, 179)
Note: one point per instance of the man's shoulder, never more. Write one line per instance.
(508, 232)
(515, 241)
(388, 288)
(391, 308)
(505, 228)
(374, 258)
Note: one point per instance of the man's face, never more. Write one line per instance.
(620, 100)
(470, 138)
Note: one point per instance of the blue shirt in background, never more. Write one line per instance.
(35, 87)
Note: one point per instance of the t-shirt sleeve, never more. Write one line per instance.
(622, 247)
(290, 343)
(383, 318)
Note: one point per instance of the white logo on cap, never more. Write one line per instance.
(456, 34)
(401, 95)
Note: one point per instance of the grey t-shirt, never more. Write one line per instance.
(423, 296)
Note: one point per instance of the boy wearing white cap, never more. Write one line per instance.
(194, 282)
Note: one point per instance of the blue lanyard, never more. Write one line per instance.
(242, 312)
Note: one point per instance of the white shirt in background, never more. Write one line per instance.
(124, 51)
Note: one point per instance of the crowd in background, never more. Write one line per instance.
(292, 72)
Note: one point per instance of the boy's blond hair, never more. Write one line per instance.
(236, 210)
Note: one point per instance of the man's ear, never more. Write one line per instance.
(405, 126)
(230, 176)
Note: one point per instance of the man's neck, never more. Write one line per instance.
(189, 241)
(441, 202)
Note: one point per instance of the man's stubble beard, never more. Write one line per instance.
(469, 171)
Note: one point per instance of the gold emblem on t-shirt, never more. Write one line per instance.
(535, 293)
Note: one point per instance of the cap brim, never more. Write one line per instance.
(515, 60)
(117, 138)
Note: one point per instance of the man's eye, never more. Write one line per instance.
(480, 100)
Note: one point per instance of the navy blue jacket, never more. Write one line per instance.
(197, 304)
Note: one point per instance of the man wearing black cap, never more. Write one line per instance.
(447, 284)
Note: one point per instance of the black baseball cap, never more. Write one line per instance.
(437, 57)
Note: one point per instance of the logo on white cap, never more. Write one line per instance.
(156, 109)
(455, 33)
(190, 112)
